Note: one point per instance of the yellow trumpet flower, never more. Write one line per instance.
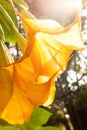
(30, 81)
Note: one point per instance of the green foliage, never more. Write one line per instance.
(41, 115)
(7, 15)
(7, 128)
(38, 119)
(9, 10)
(4, 123)
(2, 38)
(46, 128)
(21, 4)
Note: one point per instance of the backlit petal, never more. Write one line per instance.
(6, 88)
(18, 109)
(36, 90)
(71, 37)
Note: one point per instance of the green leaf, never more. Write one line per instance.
(47, 128)
(4, 123)
(21, 3)
(2, 37)
(7, 128)
(8, 10)
(39, 117)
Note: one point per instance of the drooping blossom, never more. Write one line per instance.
(29, 82)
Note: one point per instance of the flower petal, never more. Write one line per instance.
(42, 25)
(36, 90)
(54, 56)
(51, 95)
(18, 109)
(6, 88)
(71, 37)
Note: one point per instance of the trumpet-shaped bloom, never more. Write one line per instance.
(48, 53)
(30, 81)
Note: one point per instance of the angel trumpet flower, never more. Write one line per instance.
(30, 81)
(49, 47)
